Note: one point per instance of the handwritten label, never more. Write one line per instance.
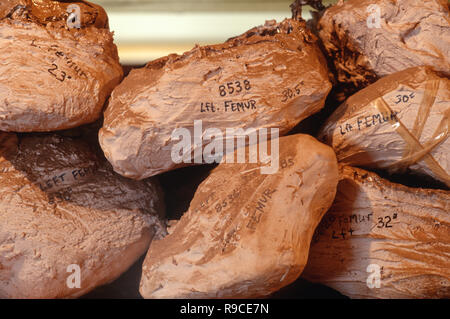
(228, 200)
(363, 122)
(341, 227)
(55, 68)
(228, 106)
(64, 178)
(234, 87)
(290, 93)
(230, 240)
(60, 196)
(258, 208)
(242, 106)
(385, 222)
(404, 98)
(286, 162)
(205, 203)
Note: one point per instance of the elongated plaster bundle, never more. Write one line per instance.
(400, 123)
(246, 234)
(383, 240)
(271, 76)
(369, 39)
(62, 208)
(58, 68)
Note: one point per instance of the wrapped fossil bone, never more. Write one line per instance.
(60, 67)
(68, 223)
(369, 39)
(383, 240)
(245, 234)
(271, 76)
(400, 122)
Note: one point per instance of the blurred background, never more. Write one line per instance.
(149, 29)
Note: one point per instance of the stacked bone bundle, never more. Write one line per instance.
(382, 239)
(283, 200)
(58, 72)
